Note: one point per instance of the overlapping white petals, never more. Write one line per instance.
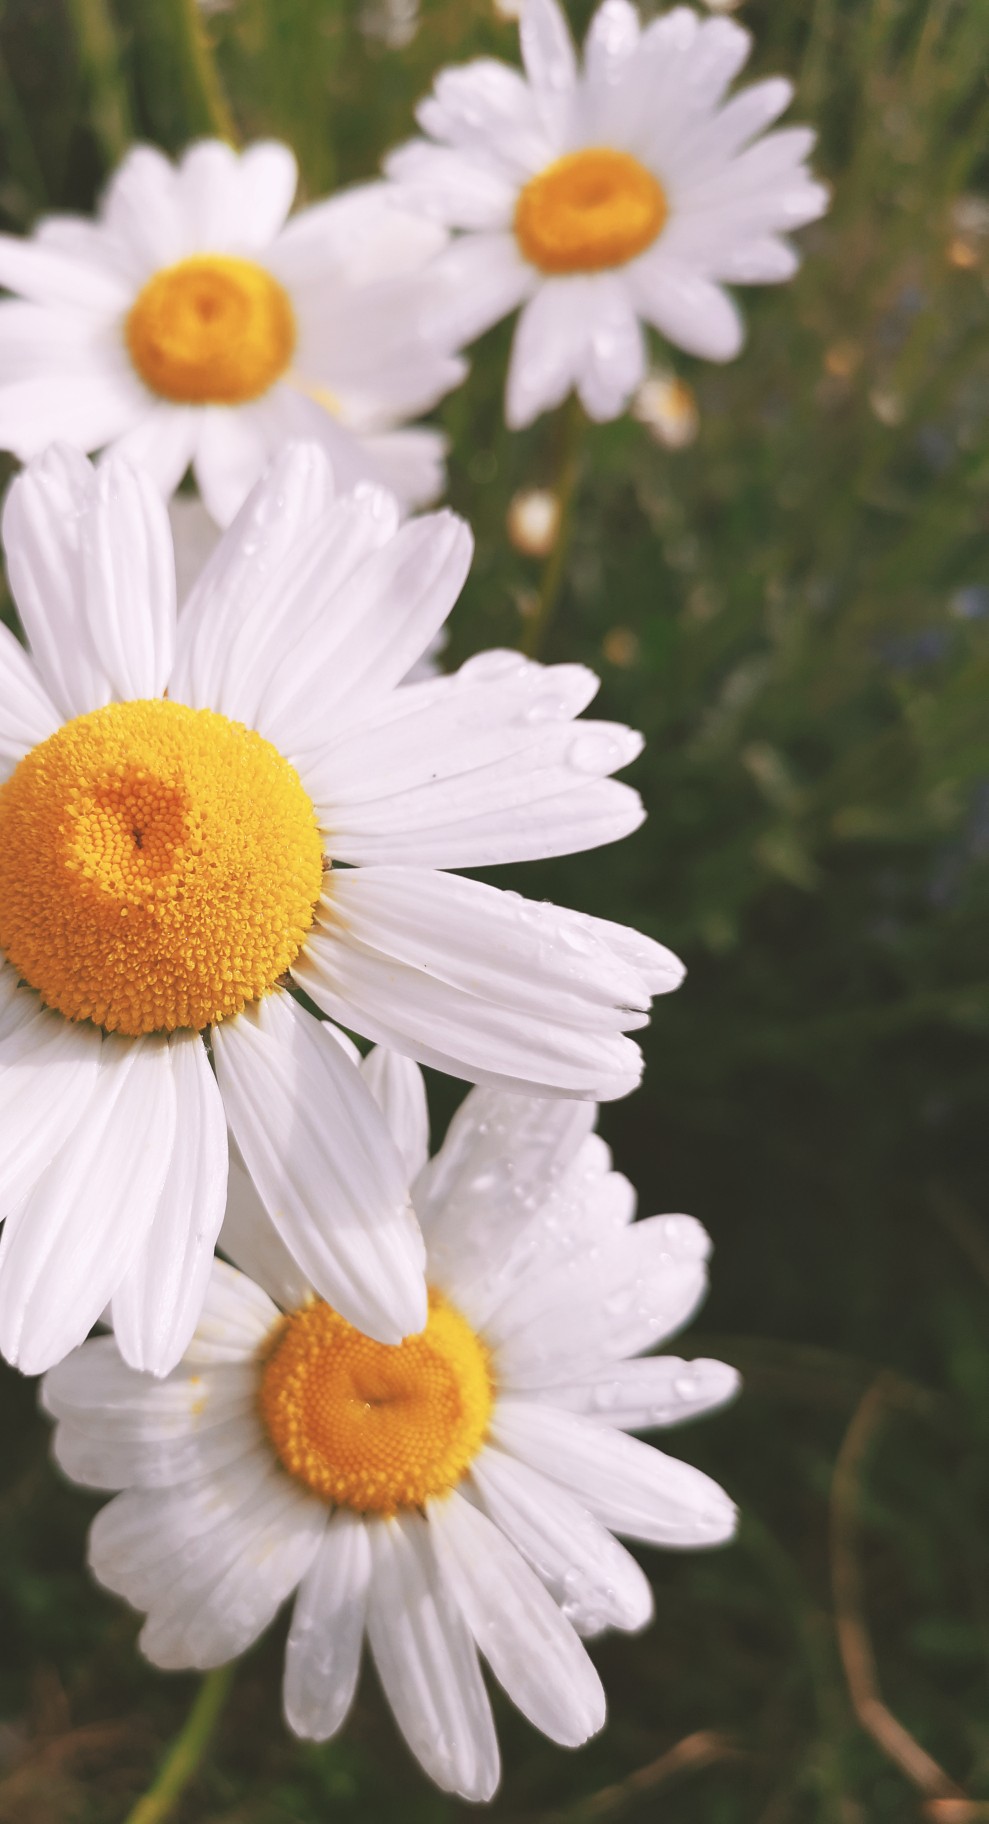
(66, 1248)
(312, 1138)
(478, 983)
(427, 1662)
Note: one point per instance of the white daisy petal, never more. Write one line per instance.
(128, 571)
(40, 343)
(528, 1642)
(231, 454)
(499, 704)
(49, 1069)
(360, 234)
(628, 1485)
(49, 276)
(216, 1603)
(686, 308)
(268, 177)
(612, 38)
(769, 261)
(293, 495)
(86, 409)
(548, 349)
(459, 190)
(396, 602)
(411, 463)
(547, 47)
(138, 1542)
(102, 1455)
(27, 714)
(503, 1159)
(66, 1250)
(157, 1304)
(142, 210)
(486, 104)
(94, 1388)
(214, 207)
(236, 1319)
(328, 1172)
(614, 360)
(596, 1582)
(656, 1391)
(42, 515)
(479, 279)
(427, 1662)
(162, 443)
(397, 1086)
(626, 1295)
(475, 982)
(468, 774)
(323, 1652)
(306, 596)
(253, 1243)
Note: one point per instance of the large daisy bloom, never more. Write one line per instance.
(600, 198)
(176, 795)
(190, 322)
(456, 1495)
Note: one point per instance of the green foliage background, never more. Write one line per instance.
(802, 601)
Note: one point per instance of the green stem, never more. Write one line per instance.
(203, 81)
(187, 1750)
(565, 489)
(99, 58)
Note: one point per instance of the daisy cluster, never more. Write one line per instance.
(237, 800)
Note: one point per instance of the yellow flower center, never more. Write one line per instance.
(589, 210)
(372, 1427)
(212, 330)
(159, 867)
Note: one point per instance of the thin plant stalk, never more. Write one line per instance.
(202, 77)
(565, 489)
(185, 1756)
(99, 58)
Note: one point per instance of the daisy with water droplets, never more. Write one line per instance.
(604, 196)
(177, 795)
(192, 323)
(454, 1496)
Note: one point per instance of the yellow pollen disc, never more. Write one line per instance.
(212, 330)
(159, 867)
(589, 210)
(372, 1427)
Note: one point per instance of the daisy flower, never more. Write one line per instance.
(176, 796)
(191, 323)
(456, 1495)
(602, 198)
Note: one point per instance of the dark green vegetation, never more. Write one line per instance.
(802, 601)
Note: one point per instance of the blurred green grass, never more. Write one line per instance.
(800, 607)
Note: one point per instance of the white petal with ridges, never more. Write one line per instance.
(128, 567)
(655, 1391)
(157, 1304)
(397, 1085)
(427, 1662)
(27, 714)
(628, 1294)
(531, 1647)
(323, 1651)
(596, 1582)
(326, 1167)
(630, 1487)
(71, 1242)
(476, 982)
